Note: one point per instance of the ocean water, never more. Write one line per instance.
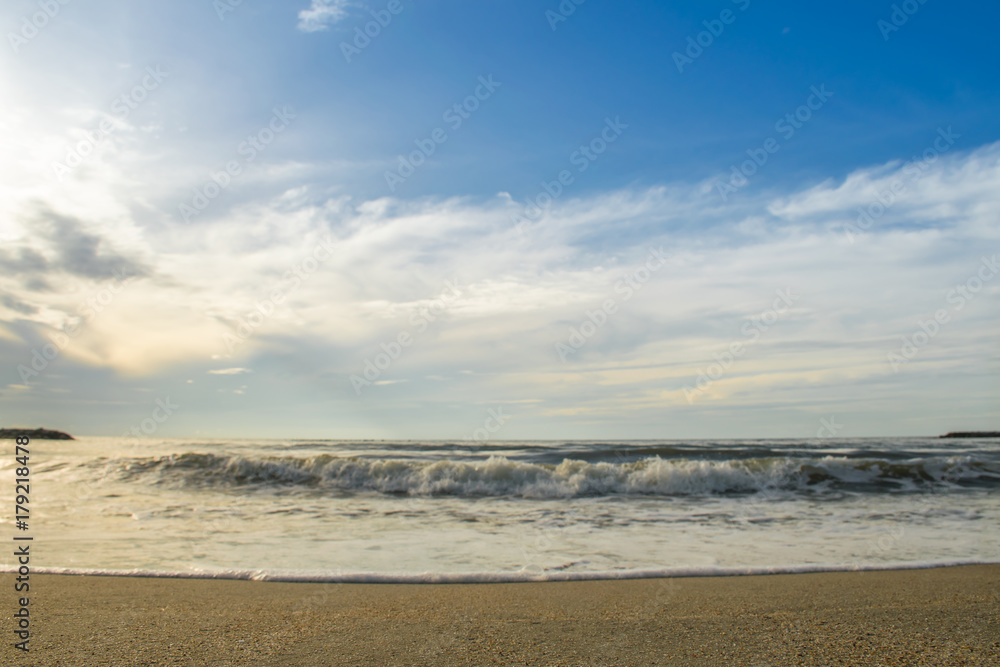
(462, 511)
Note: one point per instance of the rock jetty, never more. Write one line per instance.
(33, 434)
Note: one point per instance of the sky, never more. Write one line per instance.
(499, 220)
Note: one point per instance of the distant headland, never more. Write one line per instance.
(971, 434)
(33, 434)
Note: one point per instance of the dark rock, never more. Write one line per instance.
(33, 434)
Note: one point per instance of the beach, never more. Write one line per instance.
(940, 616)
(401, 333)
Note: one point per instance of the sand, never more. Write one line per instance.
(944, 616)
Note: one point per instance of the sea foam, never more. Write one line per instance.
(499, 476)
(493, 577)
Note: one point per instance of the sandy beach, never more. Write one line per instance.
(944, 616)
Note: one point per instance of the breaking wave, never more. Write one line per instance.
(499, 476)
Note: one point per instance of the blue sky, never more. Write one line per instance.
(204, 205)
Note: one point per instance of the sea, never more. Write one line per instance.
(434, 511)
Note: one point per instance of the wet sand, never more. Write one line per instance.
(944, 616)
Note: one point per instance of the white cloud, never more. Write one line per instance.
(321, 14)
(390, 259)
(521, 293)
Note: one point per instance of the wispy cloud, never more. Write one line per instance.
(390, 259)
(321, 14)
(229, 371)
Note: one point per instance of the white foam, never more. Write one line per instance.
(499, 476)
(493, 577)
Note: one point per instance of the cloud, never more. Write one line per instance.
(61, 243)
(949, 188)
(87, 255)
(318, 317)
(321, 14)
(17, 306)
(24, 260)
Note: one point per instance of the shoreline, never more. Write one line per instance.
(945, 615)
(504, 577)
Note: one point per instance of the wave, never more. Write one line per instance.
(496, 577)
(499, 476)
